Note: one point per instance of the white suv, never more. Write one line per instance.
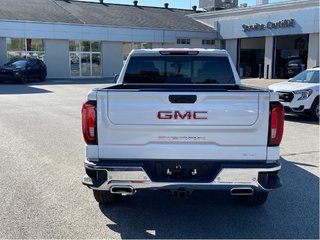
(301, 93)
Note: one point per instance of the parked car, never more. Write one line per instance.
(301, 93)
(294, 67)
(22, 70)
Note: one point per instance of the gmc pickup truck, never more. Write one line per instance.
(179, 120)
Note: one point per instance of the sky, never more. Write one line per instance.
(176, 3)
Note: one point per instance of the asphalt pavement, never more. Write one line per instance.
(42, 152)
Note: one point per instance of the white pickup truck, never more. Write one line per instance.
(179, 120)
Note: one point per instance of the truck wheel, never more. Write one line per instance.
(315, 109)
(258, 198)
(104, 197)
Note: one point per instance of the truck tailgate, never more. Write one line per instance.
(141, 108)
(229, 125)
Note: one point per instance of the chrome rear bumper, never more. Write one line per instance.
(227, 179)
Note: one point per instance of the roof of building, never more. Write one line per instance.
(285, 6)
(92, 13)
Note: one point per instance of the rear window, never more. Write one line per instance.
(179, 70)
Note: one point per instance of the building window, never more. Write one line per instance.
(223, 44)
(183, 41)
(208, 42)
(85, 58)
(25, 48)
(127, 47)
(146, 45)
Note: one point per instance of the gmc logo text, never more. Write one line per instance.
(188, 115)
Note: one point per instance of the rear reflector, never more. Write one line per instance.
(89, 122)
(179, 52)
(276, 123)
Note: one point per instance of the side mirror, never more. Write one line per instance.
(115, 77)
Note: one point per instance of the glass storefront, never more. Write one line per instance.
(85, 59)
(74, 64)
(25, 48)
(85, 65)
(251, 57)
(291, 55)
(96, 64)
(127, 47)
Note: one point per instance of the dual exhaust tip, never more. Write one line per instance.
(128, 190)
(241, 191)
(123, 190)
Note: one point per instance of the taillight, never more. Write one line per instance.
(89, 130)
(276, 124)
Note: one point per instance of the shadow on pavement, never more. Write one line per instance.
(20, 89)
(69, 81)
(304, 164)
(290, 212)
(300, 119)
(35, 87)
(76, 81)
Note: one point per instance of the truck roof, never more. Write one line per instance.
(167, 51)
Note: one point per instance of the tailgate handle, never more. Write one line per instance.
(182, 98)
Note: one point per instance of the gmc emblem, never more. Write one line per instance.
(188, 115)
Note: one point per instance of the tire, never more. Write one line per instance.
(105, 197)
(257, 199)
(42, 77)
(23, 79)
(315, 109)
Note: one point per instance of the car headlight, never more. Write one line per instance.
(17, 73)
(304, 94)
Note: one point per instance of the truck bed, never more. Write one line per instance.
(181, 88)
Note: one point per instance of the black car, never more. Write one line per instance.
(293, 67)
(22, 70)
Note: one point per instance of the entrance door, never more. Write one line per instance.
(75, 64)
(291, 55)
(85, 65)
(251, 57)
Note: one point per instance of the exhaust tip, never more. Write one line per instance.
(241, 191)
(124, 190)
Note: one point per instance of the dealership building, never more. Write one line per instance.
(269, 35)
(87, 39)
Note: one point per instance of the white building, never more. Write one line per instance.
(87, 39)
(269, 34)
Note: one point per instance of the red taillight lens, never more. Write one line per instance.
(276, 124)
(89, 122)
